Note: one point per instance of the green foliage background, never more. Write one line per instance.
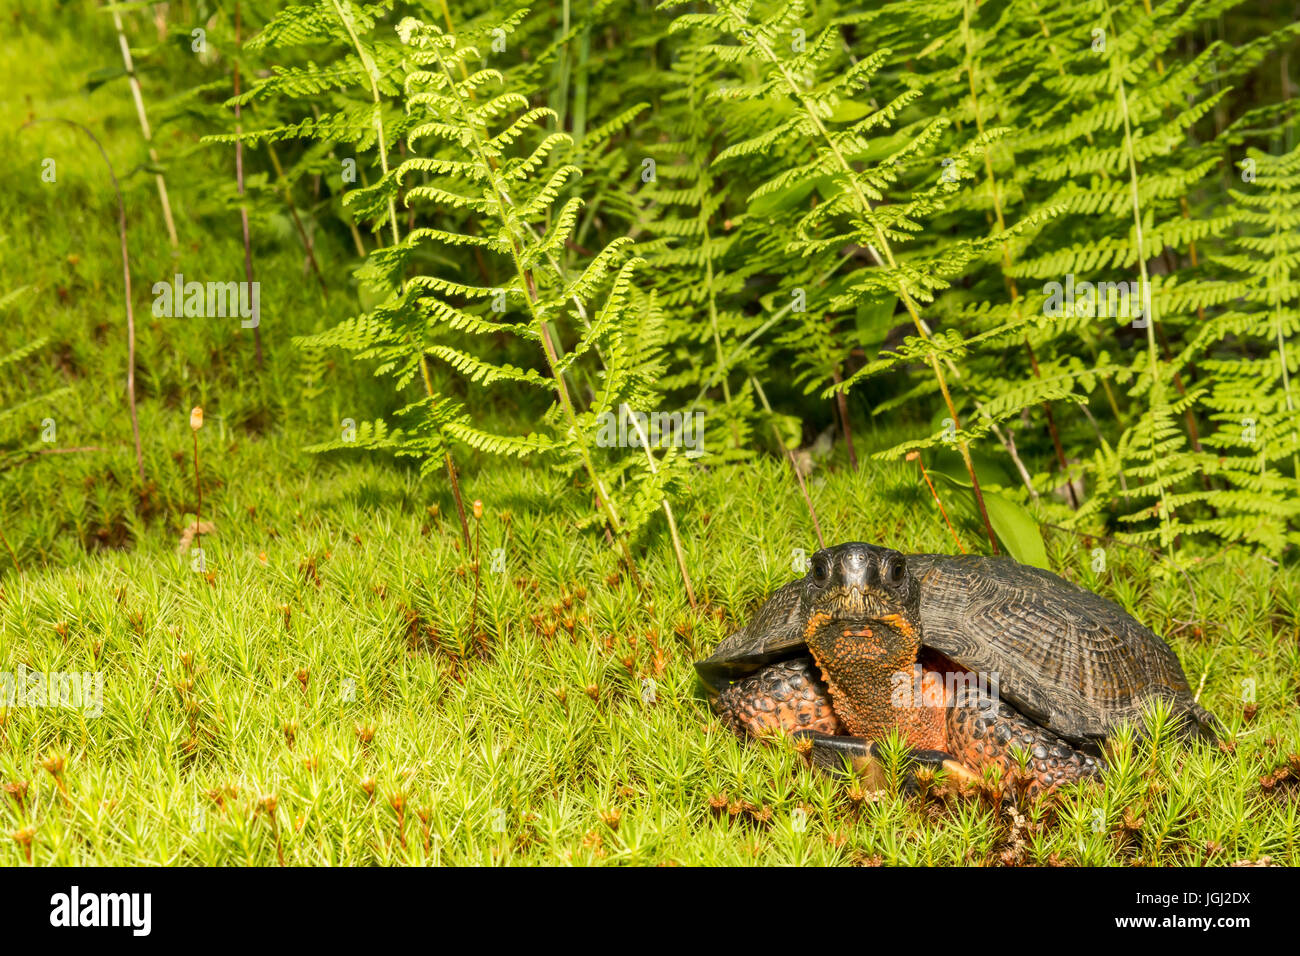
(786, 217)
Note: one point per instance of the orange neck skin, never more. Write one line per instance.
(875, 682)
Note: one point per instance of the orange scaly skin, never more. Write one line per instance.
(865, 704)
(875, 716)
(789, 697)
(786, 696)
(900, 624)
(983, 737)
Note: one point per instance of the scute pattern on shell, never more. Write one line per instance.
(1069, 659)
(775, 632)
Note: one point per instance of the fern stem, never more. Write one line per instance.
(711, 298)
(1014, 293)
(882, 243)
(143, 117)
(1009, 443)
(842, 406)
(935, 495)
(580, 85)
(446, 15)
(308, 246)
(754, 336)
(450, 464)
(603, 498)
(239, 186)
(668, 511)
(710, 292)
(1157, 386)
(12, 555)
(559, 270)
(645, 447)
(559, 92)
(1102, 443)
(562, 390)
(1281, 357)
(1188, 415)
(1056, 58)
(550, 348)
(356, 240)
(448, 461)
(368, 64)
(794, 466)
(645, 444)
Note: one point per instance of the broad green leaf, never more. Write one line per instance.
(1012, 523)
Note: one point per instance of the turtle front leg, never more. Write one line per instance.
(788, 696)
(988, 732)
(792, 697)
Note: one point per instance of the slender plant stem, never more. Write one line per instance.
(1102, 174)
(603, 497)
(198, 491)
(140, 113)
(935, 495)
(12, 554)
(881, 244)
(713, 319)
(794, 466)
(1009, 443)
(754, 336)
(842, 406)
(473, 614)
(126, 281)
(1153, 359)
(1188, 415)
(371, 70)
(1013, 292)
(239, 185)
(368, 64)
(1281, 359)
(668, 511)
(450, 464)
(307, 244)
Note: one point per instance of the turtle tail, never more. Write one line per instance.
(1199, 724)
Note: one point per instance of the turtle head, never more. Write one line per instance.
(863, 627)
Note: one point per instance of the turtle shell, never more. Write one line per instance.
(1065, 657)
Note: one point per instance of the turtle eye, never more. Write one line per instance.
(821, 572)
(893, 569)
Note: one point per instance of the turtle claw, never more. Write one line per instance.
(862, 757)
